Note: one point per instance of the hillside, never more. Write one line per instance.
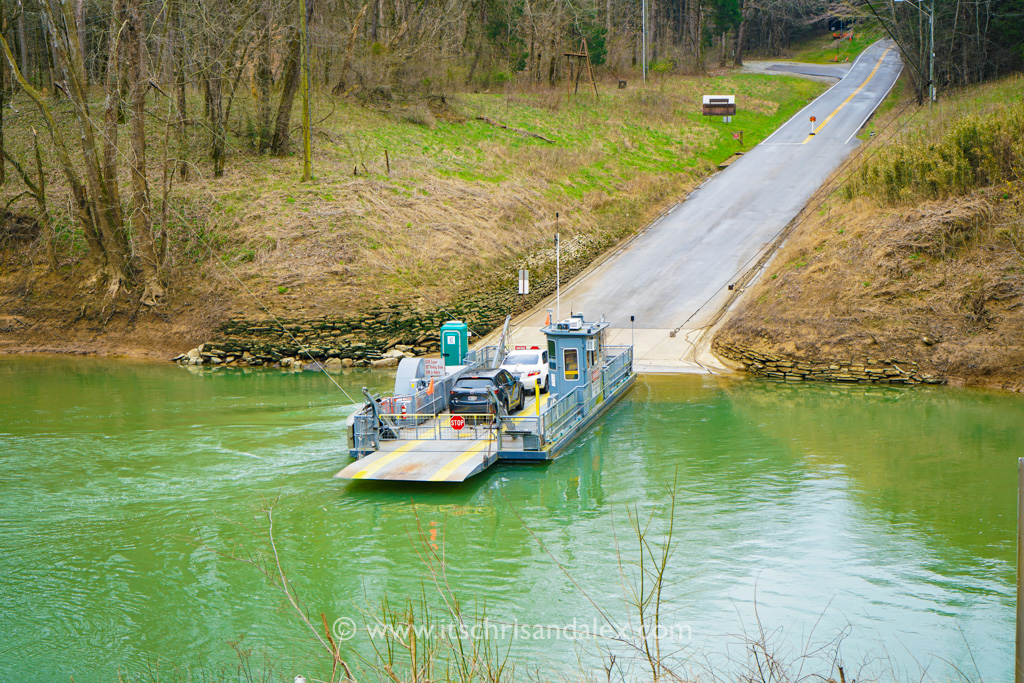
(414, 202)
(912, 268)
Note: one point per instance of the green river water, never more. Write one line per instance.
(810, 509)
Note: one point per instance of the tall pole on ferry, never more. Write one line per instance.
(558, 273)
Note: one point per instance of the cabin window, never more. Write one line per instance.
(571, 364)
(552, 355)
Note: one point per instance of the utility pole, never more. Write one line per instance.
(931, 54)
(931, 47)
(307, 138)
(643, 38)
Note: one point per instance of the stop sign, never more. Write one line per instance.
(457, 422)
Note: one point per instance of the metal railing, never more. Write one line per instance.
(433, 427)
(618, 368)
(486, 357)
(420, 419)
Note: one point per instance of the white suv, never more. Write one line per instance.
(529, 366)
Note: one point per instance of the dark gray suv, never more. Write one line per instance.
(469, 395)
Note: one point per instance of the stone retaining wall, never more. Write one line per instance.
(868, 370)
(366, 338)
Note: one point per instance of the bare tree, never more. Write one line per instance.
(140, 221)
(92, 178)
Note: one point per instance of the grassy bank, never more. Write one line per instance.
(822, 48)
(918, 253)
(428, 199)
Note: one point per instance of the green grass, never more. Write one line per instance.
(463, 195)
(622, 135)
(822, 48)
(969, 140)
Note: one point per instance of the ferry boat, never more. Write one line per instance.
(410, 435)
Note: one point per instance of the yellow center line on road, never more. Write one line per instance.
(852, 95)
(374, 466)
(450, 467)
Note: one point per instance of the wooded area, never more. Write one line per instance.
(138, 68)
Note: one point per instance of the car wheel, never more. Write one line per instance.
(522, 400)
(544, 389)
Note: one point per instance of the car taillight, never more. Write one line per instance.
(533, 374)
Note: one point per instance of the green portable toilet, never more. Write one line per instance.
(454, 342)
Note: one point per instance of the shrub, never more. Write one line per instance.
(974, 152)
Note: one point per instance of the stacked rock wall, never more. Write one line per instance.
(868, 370)
(365, 338)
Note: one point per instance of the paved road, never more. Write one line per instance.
(676, 274)
(827, 70)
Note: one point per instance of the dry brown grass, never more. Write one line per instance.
(457, 204)
(939, 284)
(870, 273)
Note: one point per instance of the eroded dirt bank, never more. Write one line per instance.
(913, 270)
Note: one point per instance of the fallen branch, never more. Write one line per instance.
(515, 130)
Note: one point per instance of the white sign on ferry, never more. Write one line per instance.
(434, 367)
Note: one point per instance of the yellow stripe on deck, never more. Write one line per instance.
(450, 467)
(376, 465)
(852, 95)
(531, 411)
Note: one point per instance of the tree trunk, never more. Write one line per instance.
(80, 18)
(279, 145)
(44, 214)
(342, 85)
(3, 97)
(103, 201)
(22, 44)
(552, 64)
(178, 40)
(141, 221)
(82, 203)
(476, 60)
(740, 35)
(102, 175)
(52, 59)
(112, 112)
(263, 75)
(215, 109)
(694, 22)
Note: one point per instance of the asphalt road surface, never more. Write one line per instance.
(675, 276)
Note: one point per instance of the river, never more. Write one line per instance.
(870, 524)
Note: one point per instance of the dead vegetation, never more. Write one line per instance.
(937, 282)
(916, 251)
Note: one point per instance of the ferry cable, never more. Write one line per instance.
(204, 185)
